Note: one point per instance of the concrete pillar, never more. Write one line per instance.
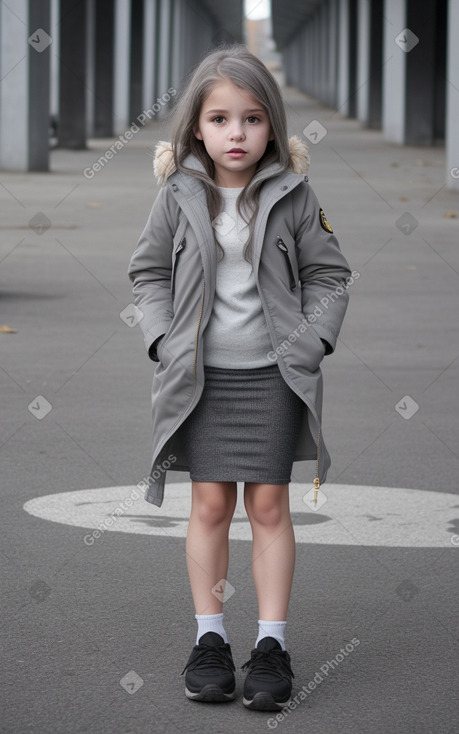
(121, 66)
(324, 57)
(333, 54)
(369, 62)
(104, 63)
(189, 56)
(315, 54)
(363, 60)
(343, 56)
(149, 15)
(452, 98)
(177, 44)
(420, 79)
(303, 59)
(136, 60)
(285, 64)
(394, 71)
(352, 50)
(324, 48)
(440, 71)
(375, 64)
(90, 66)
(54, 61)
(165, 48)
(302, 62)
(324, 53)
(39, 88)
(25, 86)
(288, 61)
(72, 75)
(294, 64)
(347, 57)
(306, 49)
(156, 47)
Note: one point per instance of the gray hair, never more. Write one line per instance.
(236, 64)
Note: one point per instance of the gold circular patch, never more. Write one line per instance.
(324, 223)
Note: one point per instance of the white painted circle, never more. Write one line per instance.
(344, 515)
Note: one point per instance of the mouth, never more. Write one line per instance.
(236, 152)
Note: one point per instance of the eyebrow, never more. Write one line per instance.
(212, 112)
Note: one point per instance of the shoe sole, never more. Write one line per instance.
(210, 694)
(263, 701)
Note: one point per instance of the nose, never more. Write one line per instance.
(236, 131)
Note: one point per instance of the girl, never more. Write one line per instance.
(241, 287)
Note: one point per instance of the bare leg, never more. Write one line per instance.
(273, 547)
(212, 508)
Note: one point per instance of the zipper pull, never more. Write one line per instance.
(178, 250)
(283, 247)
(316, 489)
(180, 245)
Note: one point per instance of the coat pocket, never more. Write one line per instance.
(159, 348)
(176, 256)
(293, 277)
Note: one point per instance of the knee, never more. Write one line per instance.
(265, 512)
(214, 511)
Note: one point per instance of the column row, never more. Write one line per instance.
(92, 67)
(393, 64)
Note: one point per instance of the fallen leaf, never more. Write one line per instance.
(7, 330)
(450, 215)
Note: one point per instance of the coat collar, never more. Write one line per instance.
(164, 166)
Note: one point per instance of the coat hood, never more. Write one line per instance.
(164, 166)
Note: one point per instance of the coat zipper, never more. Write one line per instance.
(283, 247)
(178, 250)
(196, 339)
(317, 480)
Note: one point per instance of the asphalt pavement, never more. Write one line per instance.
(97, 616)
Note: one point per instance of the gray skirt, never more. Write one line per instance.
(244, 428)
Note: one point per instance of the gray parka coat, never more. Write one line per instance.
(302, 279)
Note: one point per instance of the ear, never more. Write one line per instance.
(197, 133)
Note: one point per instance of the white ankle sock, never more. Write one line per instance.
(271, 629)
(210, 623)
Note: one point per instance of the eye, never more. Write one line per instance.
(217, 118)
(253, 118)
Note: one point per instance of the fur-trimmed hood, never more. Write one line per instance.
(164, 166)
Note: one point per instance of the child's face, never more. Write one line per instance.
(230, 118)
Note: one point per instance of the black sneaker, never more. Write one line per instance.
(210, 670)
(268, 684)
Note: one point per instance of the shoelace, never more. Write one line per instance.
(264, 662)
(209, 654)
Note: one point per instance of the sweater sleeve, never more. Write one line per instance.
(323, 269)
(150, 272)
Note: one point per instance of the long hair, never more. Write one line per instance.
(236, 64)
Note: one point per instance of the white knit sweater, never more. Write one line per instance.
(237, 334)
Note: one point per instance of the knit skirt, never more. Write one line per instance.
(244, 428)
